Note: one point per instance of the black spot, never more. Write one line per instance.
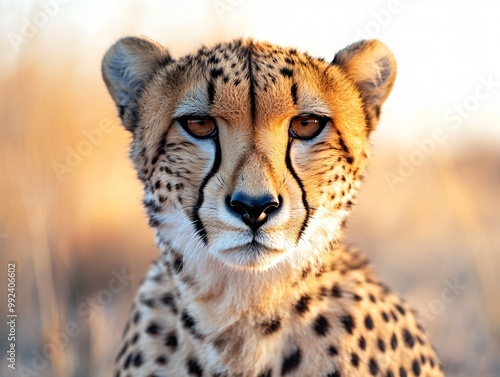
(381, 345)
(389, 374)
(416, 367)
(333, 374)
(394, 342)
(138, 359)
(431, 361)
(332, 350)
(354, 360)
(171, 340)
(302, 305)
(179, 186)
(286, 72)
(125, 330)
(216, 72)
(187, 321)
(323, 292)
(400, 309)
(372, 298)
(161, 360)
(291, 362)
(394, 316)
(385, 316)
(152, 206)
(267, 373)
(135, 338)
(153, 329)
(342, 144)
(294, 93)
(408, 338)
(336, 292)
(357, 298)
(373, 366)
(271, 326)
(127, 361)
(213, 60)
(194, 368)
(362, 342)
(423, 359)
(178, 264)
(321, 325)
(305, 272)
(350, 159)
(169, 300)
(348, 323)
(153, 223)
(420, 340)
(122, 351)
(402, 372)
(369, 322)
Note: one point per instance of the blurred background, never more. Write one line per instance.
(70, 210)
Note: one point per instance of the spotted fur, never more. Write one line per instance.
(279, 293)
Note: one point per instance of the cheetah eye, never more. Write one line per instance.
(199, 126)
(307, 126)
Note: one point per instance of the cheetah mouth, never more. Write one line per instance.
(259, 248)
(253, 247)
(251, 255)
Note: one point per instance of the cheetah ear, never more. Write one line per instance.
(372, 67)
(126, 67)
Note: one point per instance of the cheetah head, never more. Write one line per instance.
(249, 153)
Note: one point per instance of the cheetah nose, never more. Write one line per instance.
(254, 211)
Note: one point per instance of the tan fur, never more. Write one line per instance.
(287, 298)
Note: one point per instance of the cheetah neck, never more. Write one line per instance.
(230, 309)
(210, 287)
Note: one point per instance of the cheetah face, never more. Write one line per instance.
(248, 151)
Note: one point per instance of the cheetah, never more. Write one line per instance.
(251, 155)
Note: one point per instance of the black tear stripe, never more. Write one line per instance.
(251, 80)
(195, 218)
(288, 162)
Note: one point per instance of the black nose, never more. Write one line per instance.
(253, 211)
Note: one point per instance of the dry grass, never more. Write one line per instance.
(68, 235)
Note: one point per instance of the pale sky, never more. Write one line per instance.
(448, 52)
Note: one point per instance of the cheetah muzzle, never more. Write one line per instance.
(251, 155)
